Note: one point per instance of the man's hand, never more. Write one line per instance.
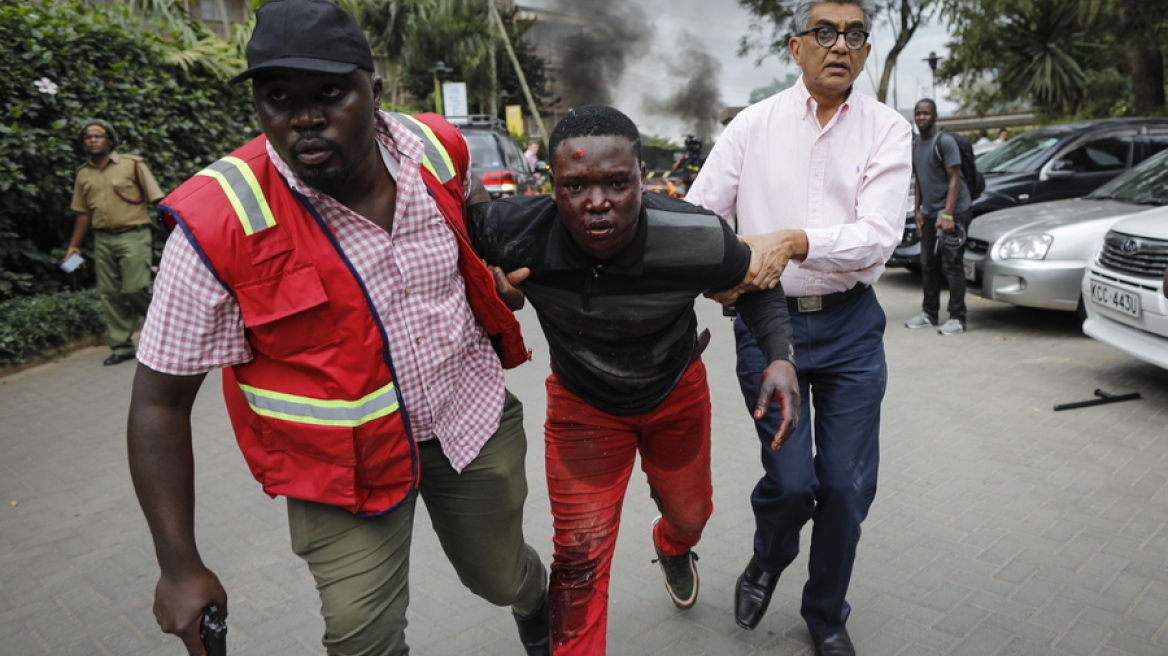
(773, 250)
(919, 219)
(769, 255)
(779, 381)
(509, 285)
(946, 225)
(179, 602)
(70, 252)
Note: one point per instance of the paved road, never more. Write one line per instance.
(1001, 527)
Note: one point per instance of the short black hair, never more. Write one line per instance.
(931, 102)
(595, 121)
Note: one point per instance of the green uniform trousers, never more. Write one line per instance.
(124, 283)
(361, 564)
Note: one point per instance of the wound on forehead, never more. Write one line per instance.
(578, 154)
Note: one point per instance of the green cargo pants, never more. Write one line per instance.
(124, 282)
(361, 565)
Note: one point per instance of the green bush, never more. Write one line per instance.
(33, 325)
(64, 63)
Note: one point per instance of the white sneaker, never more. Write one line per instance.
(919, 321)
(951, 327)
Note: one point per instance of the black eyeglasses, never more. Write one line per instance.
(827, 36)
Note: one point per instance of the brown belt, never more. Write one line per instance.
(700, 345)
(118, 231)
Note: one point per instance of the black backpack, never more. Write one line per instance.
(974, 180)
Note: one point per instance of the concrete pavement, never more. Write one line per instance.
(1001, 526)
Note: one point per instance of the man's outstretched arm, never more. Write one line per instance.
(162, 468)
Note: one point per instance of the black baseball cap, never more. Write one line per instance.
(306, 35)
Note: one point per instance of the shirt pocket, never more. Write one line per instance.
(288, 313)
(128, 191)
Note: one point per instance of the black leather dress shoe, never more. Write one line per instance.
(533, 631)
(837, 644)
(117, 359)
(752, 595)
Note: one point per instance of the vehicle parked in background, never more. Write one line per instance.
(1034, 255)
(1124, 288)
(496, 158)
(1051, 163)
(1066, 161)
(908, 252)
(980, 149)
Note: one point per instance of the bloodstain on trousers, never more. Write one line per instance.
(589, 457)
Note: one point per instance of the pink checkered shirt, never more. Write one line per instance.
(448, 373)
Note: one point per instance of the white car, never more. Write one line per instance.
(1123, 288)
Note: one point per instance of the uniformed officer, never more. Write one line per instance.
(110, 194)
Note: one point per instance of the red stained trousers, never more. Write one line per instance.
(590, 455)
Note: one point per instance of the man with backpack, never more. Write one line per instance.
(943, 212)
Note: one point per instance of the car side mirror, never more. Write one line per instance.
(541, 166)
(1059, 169)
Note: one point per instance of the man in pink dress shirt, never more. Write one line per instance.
(817, 177)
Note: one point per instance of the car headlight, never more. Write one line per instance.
(1029, 247)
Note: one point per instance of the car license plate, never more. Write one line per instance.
(970, 270)
(1116, 299)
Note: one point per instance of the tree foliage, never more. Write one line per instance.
(411, 36)
(64, 63)
(414, 35)
(1062, 58)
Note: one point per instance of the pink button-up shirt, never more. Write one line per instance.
(448, 373)
(845, 184)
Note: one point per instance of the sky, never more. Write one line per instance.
(717, 25)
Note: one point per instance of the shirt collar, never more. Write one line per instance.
(113, 159)
(803, 96)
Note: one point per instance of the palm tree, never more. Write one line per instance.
(410, 36)
(1043, 46)
(191, 43)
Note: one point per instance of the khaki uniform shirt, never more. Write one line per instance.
(113, 196)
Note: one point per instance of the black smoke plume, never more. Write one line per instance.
(698, 101)
(595, 57)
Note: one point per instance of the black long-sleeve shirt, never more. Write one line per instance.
(622, 331)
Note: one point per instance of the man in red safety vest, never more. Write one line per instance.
(315, 265)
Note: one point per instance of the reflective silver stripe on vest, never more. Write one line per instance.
(244, 193)
(321, 412)
(436, 159)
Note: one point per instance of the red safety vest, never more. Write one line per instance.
(317, 412)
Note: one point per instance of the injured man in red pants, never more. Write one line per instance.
(612, 274)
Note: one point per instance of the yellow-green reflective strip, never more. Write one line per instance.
(321, 412)
(244, 193)
(435, 159)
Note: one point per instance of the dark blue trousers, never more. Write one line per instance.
(826, 471)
